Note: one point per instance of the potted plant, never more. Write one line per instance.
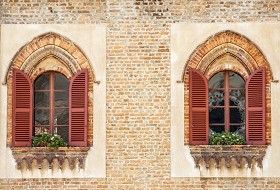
(48, 140)
(226, 138)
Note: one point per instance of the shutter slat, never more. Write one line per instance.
(78, 109)
(255, 108)
(198, 108)
(22, 109)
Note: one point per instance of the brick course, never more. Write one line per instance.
(138, 83)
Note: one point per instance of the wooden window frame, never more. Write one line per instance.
(227, 105)
(23, 92)
(255, 108)
(51, 107)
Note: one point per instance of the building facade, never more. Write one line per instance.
(136, 94)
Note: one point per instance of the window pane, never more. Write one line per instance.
(61, 117)
(216, 115)
(61, 99)
(217, 81)
(60, 82)
(237, 97)
(217, 129)
(237, 115)
(63, 131)
(238, 129)
(216, 98)
(41, 130)
(41, 117)
(41, 99)
(236, 81)
(42, 82)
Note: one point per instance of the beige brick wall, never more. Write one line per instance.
(138, 83)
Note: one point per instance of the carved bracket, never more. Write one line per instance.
(237, 152)
(72, 154)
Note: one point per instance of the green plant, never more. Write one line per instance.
(226, 138)
(47, 140)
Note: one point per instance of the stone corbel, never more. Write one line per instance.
(206, 153)
(42, 153)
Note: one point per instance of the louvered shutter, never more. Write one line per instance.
(78, 109)
(255, 108)
(22, 109)
(199, 126)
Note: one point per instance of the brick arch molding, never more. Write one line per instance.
(227, 42)
(49, 45)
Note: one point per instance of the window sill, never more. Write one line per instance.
(28, 154)
(237, 152)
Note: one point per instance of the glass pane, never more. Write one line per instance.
(63, 132)
(237, 97)
(216, 129)
(237, 115)
(61, 117)
(216, 98)
(236, 81)
(41, 99)
(61, 99)
(216, 115)
(217, 81)
(42, 82)
(238, 129)
(41, 117)
(60, 82)
(41, 130)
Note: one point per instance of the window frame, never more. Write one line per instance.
(227, 107)
(52, 108)
(78, 109)
(199, 115)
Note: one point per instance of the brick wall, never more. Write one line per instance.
(138, 83)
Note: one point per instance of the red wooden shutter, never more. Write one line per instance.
(78, 109)
(255, 108)
(199, 122)
(22, 109)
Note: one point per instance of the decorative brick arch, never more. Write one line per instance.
(234, 46)
(49, 45)
(50, 52)
(227, 42)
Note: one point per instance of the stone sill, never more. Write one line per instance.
(72, 154)
(228, 152)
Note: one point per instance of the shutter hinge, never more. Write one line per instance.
(97, 82)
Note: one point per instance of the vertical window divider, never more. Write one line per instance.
(51, 102)
(226, 101)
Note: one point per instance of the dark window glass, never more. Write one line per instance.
(61, 82)
(42, 117)
(61, 99)
(217, 81)
(226, 102)
(41, 99)
(42, 82)
(51, 102)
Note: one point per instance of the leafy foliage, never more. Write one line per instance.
(47, 140)
(226, 138)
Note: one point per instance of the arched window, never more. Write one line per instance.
(227, 103)
(51, 105)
